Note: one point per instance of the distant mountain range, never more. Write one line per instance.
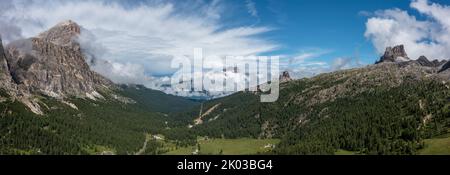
(52, 103)
(398, 54)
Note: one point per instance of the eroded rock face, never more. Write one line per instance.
(5, 77)
(445, 67)
(395, 54)
(3, 64)
(63, 34)
(53, 64)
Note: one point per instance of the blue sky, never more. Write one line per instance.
(139, 38)
(335, 26)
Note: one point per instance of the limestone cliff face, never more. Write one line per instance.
(63, 34)
(53, 64)
(3, 64)
(5, 77)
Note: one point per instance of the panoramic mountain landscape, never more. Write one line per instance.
(59, 96)
(52, 103)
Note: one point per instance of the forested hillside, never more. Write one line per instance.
(105, 126)
(157, 101)
(388, 108)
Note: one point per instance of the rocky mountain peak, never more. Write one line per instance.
(438, 63)
(53, 64)
(394, 54)
(285, 77)
(425, 62)
(62, 34)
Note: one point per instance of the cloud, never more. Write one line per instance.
(135, 41)
(8, 30)
(309, 70)
(342, 63)
(251, 7)
(304, 63)
(429, 37)
(309, 62)
(307, 54)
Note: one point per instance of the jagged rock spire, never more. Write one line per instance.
(394, 54)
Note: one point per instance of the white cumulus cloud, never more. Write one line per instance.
(429, 36)
(137, 40)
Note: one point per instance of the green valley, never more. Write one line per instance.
(224, 147)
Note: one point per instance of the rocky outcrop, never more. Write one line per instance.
(285, 77)
(50, 64)
(3, 64)
(63, 34)
(53, 64)
(423, 61)
(445, 67)
(395, 54)
(438, 63)
(398, 55)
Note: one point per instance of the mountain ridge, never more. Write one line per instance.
(51, 64)
(310, 114)
(51, 102)
(385, 108)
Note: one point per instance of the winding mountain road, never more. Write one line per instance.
(144, 147)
